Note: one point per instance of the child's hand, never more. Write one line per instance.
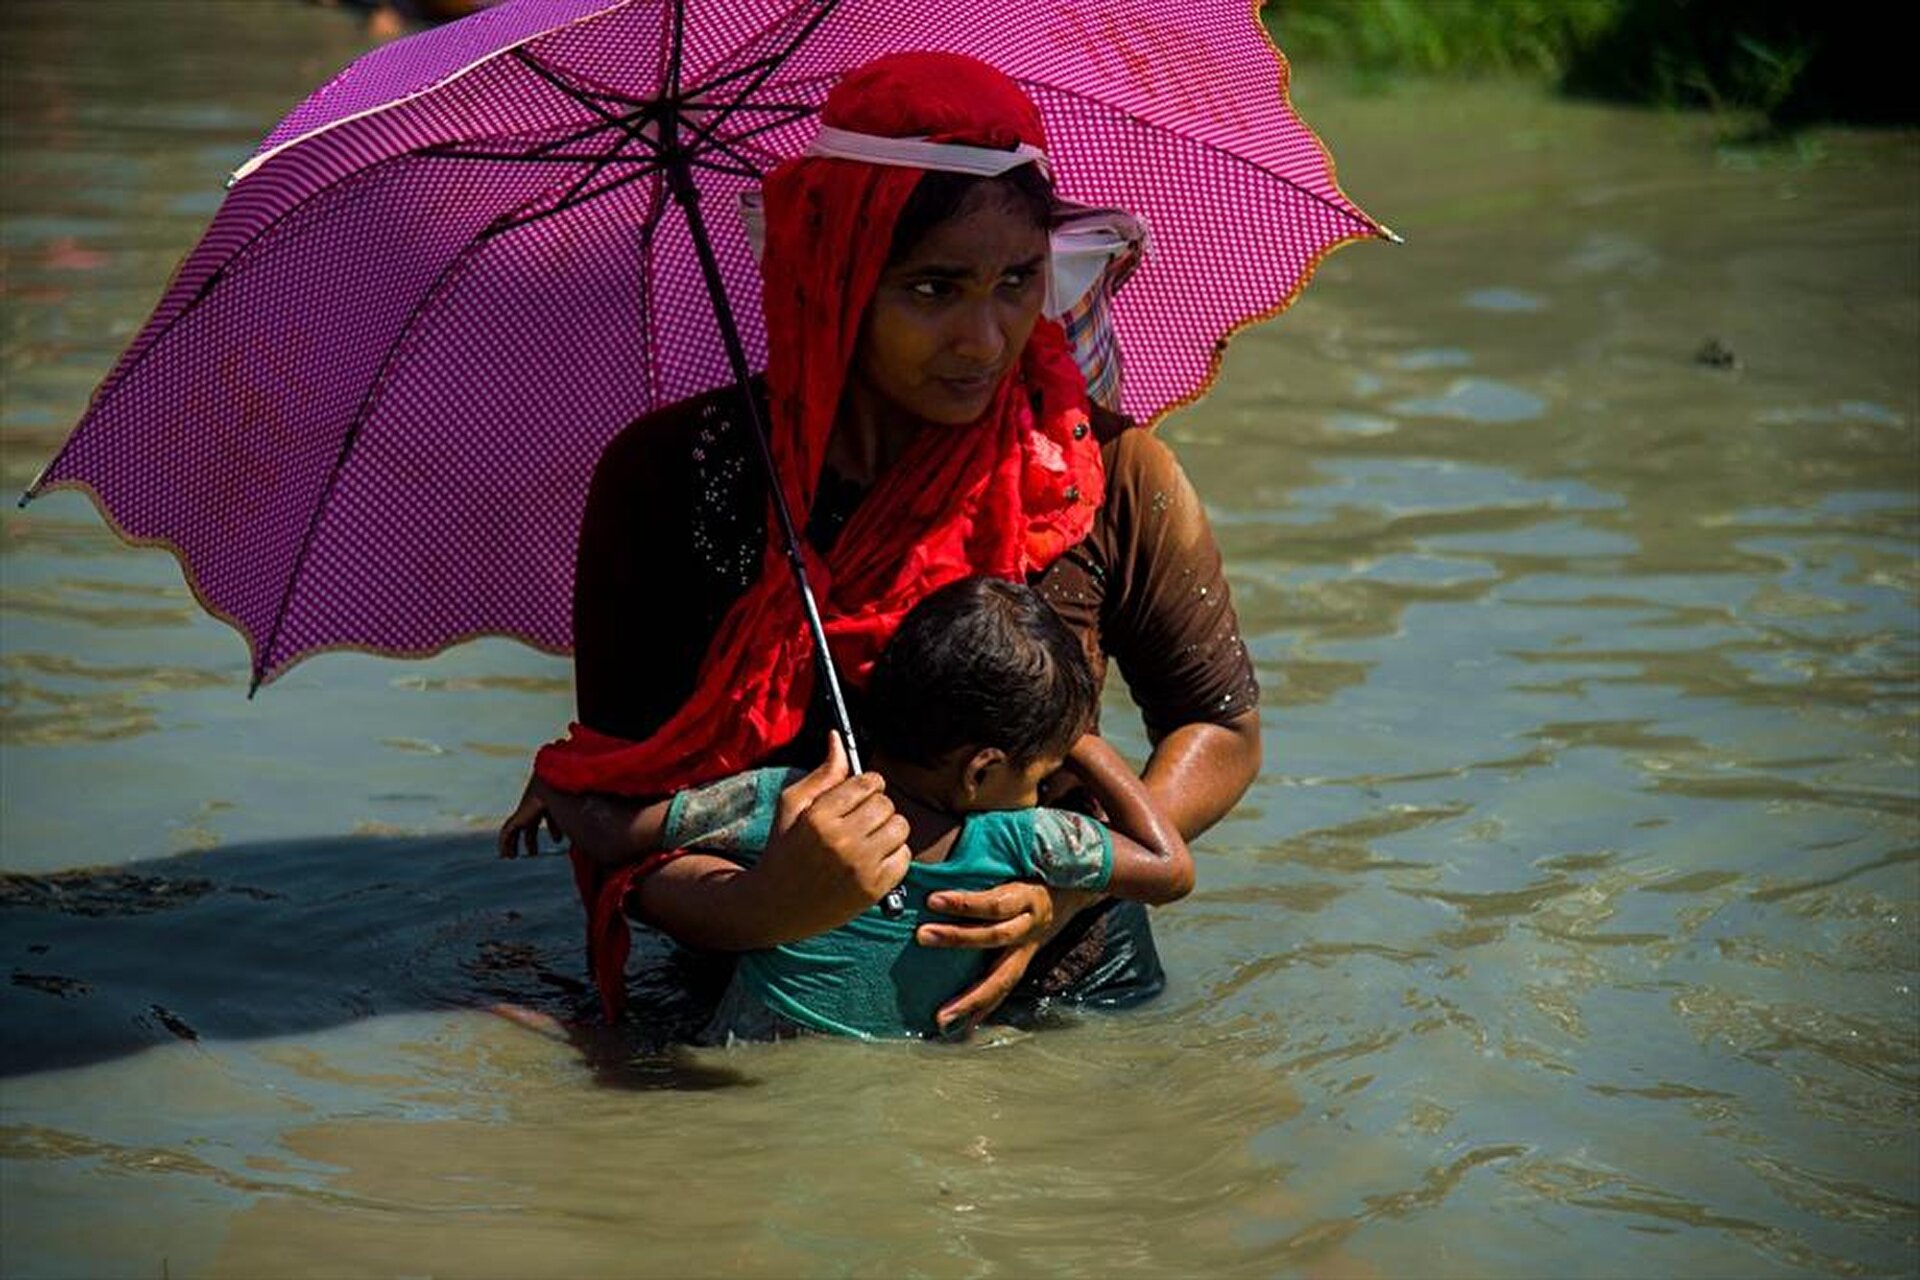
(522, 827)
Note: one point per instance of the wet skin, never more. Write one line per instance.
(947, 320)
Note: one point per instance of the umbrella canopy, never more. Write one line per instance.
(366, 410)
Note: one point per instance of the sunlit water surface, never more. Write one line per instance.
(1570, 930)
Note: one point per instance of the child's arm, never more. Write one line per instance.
(822, 852)
(604, 828)
(1151, 862)
(697, 898)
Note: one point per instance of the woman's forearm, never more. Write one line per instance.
(1151, 862)
(1198, 772)
(837, 846)
(610, 830)
(1131, 809)
(705, 901)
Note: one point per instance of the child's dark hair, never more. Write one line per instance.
(979, 663)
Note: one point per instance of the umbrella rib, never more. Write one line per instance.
(219, 274)
(596, 100)
(743, 165)
(347, 442)
(1214, 147)
(577, 194)
(541, 151)
(759, 164)
(522, 157)
(703, 130)
(649, 226)
(765, 65)
(573, 91)
(791, 110)
(581, 136)
(630, 134)
(365, 412)
(784, 112)
(758, 71)
(612, 119)
(708, 126)
(761, 67)
(503, 225)
(732, 170)
(623, 122)
(608, 120)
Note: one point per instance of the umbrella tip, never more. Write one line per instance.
(253, 687)
(26, 496)
(1388, 234)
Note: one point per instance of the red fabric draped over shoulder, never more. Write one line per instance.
(1004, 496)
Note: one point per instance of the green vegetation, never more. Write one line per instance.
(1438, 37)
(1791, 62)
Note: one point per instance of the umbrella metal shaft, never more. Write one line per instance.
(687, 195)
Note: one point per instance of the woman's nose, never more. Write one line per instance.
(977, 334)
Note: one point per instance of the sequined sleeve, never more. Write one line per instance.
(1167, 614)
(732, 816)
(1071, 850)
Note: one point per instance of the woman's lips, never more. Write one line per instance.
(969, 384)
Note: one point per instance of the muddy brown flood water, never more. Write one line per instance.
(1570, 930)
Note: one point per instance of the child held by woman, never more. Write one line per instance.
(980, 696)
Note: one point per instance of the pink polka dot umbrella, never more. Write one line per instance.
(365, 412)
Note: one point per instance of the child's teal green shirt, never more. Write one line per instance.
(869, 978)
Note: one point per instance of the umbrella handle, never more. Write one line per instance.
(687, 195)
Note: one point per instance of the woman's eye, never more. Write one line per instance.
(1018, 278)
(929, 289)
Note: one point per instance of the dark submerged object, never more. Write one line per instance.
(1716, 354)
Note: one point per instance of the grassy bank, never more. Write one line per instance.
(1790, 62)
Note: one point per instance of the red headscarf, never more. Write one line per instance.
(1003, 496)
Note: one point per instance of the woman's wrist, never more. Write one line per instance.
(702, 900)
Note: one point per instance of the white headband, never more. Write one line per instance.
(922, 153)
(1085, 241)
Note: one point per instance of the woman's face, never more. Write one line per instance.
(951, 315)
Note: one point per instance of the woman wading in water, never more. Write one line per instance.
(927, 425)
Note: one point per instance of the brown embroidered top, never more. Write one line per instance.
(676, 523)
